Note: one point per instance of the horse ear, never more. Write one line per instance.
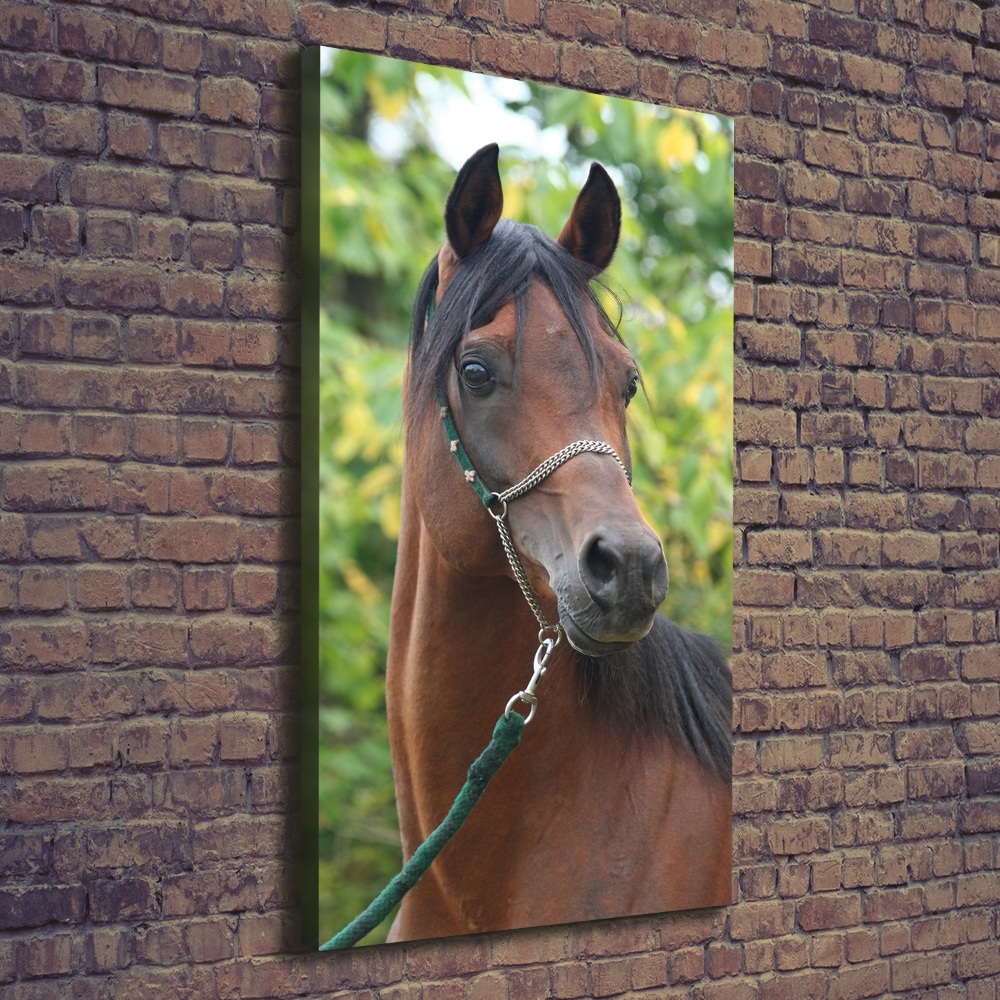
(475, 202)
(591, 233)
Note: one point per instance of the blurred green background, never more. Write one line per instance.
(393, 134)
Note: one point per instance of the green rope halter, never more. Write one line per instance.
(458, 450)
(506, 736)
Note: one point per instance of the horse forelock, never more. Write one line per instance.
(674, 682)
(500, 271)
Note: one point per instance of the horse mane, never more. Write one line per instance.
(496, 272)
(673, 681)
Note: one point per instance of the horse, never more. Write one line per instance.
(618, 800)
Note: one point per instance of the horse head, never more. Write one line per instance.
(509, 331)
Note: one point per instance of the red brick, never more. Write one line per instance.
(69, 485)
(694, 90)
(110, 234)
(76, 131)
(821, 227)
(255, 589)
(978, 960)
(756, 180)
(109, 537)
(43, 434)
(264, 249)
(28, 281)
(410, 40)
(193, 294)
(940, 89)
(205, 590)
(130, 136)
(361, 29)
(160, 239)
(804, 62)
(615, 72)
(151, 339)
(38, 906)
(197, 541)
(781, 547)
(205, 440)
(581, 22)
(187, 391)
(788, 837)
(728, 47)
(182, 50)
(648, 33)
(260, 298)
(121, 187)
(26, 27)
(147, 90)
(101, 588)
(838, 152)
(182, 145)
(256, 346)
(872, 76)
(229, 152)
(752, 258)
(823, 912)
(47, 77)
(242, 736)
(88, 33)
(752, 921)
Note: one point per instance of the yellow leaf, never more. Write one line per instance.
(676, 145)
(360, 583)
(388, 106)
(375, 482)
(717, 534)
(389, 512)
(357, 424)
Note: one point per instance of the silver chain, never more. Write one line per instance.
(529, 482)
(522, 580)
(550, 465)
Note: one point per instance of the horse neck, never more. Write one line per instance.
(460, 647)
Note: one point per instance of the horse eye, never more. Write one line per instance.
(633, 388)
(476, 375)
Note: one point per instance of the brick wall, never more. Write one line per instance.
(148, 389)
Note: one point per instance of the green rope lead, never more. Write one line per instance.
(506, 736)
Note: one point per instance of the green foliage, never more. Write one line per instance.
(383, 189)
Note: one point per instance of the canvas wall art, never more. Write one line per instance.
(517, 489)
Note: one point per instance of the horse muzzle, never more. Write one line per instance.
(620, 582)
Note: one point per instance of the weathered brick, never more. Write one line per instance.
(824, 149)
(807, 63)
(49, 77)
(89, 33)
(567, 19)
(827, 911)
(37, 906)
(147, 90)
(614, 73)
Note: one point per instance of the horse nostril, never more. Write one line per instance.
(600, 563)
(616, 568)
